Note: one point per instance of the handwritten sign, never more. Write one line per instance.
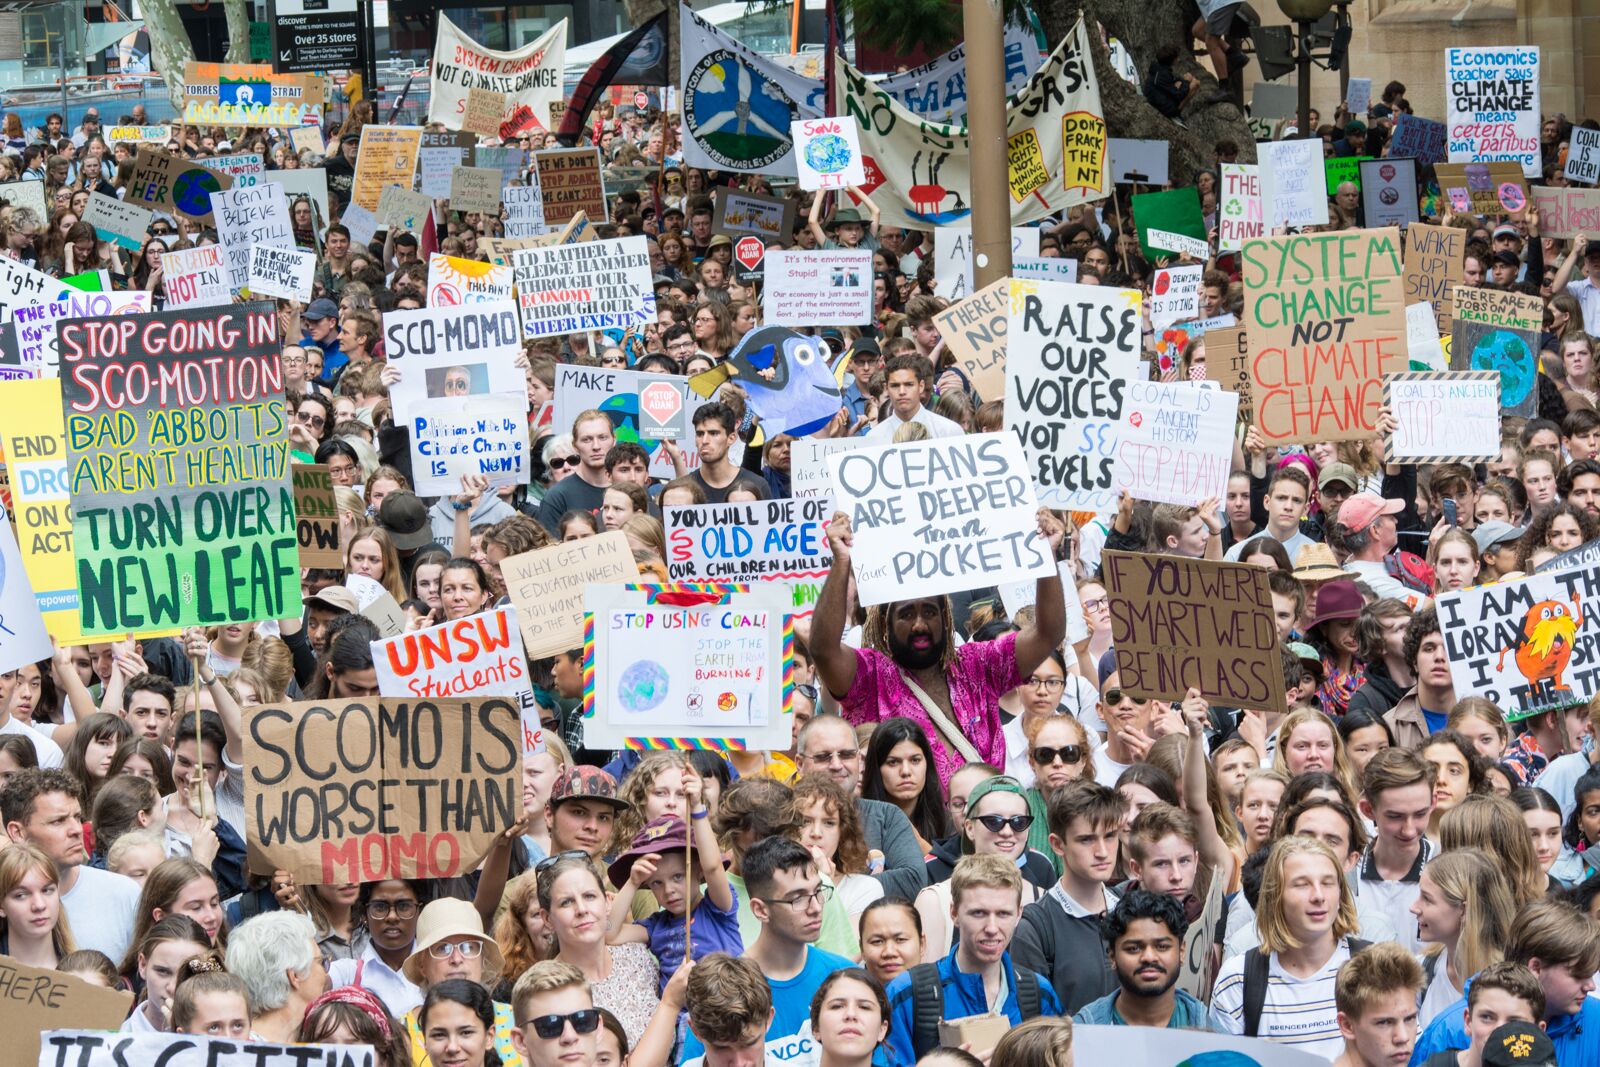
(387, 156)
(1424, 349)
(974, 329)
(244, 94)
(316, 516)
(595, 285)
(1175, 442)
(195, 277)
(1416, 138)
(953, 278)
(35, 448)
(81, 1048)
(23, 636)
(1171, 211)
(33, 1000)
(1072, 350)
(1492, 105)
(1451, 417)
(1180, 623)
(1583, 158)
(529, 76)
(808, 464)
(248, 216)
(475, 189)
(118, 221)
(165, 182)
(1293, 185)
(1499, 331)
(1045, 268)
(36, 333)
(1566, 212)
(1435, 262)
(286, 273)
(571, 181)
(402, 210)
(524, 209)
(827, 153)
(466, 281)
(439, 154)
(1228, 364)
(765, 540)
(480, 655)
(546, 587)
(1482, 188)
(484, 108)
(805, 287)
(1175, 295)
(1359, 96)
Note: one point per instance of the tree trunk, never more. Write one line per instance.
(1143, 28)
(238, 31)
(170, 47)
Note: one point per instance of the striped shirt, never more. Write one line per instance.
(1298, 1011)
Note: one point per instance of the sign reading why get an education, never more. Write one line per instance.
(942, 516)
(178, 452)
(362, 791)
(546, 587)
(1178, 623)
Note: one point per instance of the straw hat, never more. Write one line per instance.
(1316, 563)
(443, 919)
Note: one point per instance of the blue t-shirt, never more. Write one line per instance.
(789, 1036)
(713, 930)
(1435, 719)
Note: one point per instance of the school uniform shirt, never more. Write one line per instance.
(1394, 899)
(936, 424)
(1588, 298)
(1060, 939)
(49, 753)
(1298, 1011)
(398, 993)
(789, 1041)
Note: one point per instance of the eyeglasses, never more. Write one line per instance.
(470, 950)
(822, 894)
(1049, 685)
(400, 909)
(844, 755)
(1096, 604)
(1070, 754)
(586, 1021)
(308, 419)
(995, 823)
(557, 462)
(550, 861)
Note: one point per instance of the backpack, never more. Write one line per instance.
(927, 1000)
(1256, 966)
(1410, 570)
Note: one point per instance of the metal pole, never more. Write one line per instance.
(983, 22)
(66, 119)
(1302, 61)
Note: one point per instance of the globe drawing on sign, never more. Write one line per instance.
(643, 686)
(1508, 355)
(191, 191)
(828, 154)
(737, 116)
(1220, 1058)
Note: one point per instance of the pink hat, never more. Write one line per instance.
(1362, 510)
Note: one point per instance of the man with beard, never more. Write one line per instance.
(1144, 937)
(909, 667)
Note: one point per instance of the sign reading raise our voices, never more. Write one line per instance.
(940, 516)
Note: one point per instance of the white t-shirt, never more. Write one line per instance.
(1381, 582)
(1439, 995)
(1588, 298)
(938, 426)
(1291, 546)
(49, 753)
(102, 907)
(1298, 1011)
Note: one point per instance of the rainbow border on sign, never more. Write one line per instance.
(708, 744)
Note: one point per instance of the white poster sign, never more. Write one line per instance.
(23, 637)
(466, 281)
(1174, 294)
(1294, 187)
(811, 287)
(1447, 417)
(1175, 442)
(118, 221)
(524, 208)
(246, 217)
(594, 285)
(285, 273)
(952, 257)
(828, 153)
(1492, 105)
(1239, 210)
(195, 277)
(530, 76)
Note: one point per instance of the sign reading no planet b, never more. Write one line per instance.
(940, 516)
(178, 453)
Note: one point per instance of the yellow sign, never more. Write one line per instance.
(1083, 150)
(33, 437)
(1026, 170)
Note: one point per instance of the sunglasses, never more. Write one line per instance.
(995, 823)
(550, 1027)
(563, 461)
(550, 861)
(1069, 754)
(1113, 697)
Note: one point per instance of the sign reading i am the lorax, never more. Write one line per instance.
(178, 453)
(363, 791)
(1179, 623)
(1326, 320)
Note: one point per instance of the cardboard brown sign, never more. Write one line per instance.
(1179, 623)
(1498, 331)
(570, 181)
(546, 586)
(1483, 188)
(1435, 261)
(475, 189)
(157, 175)
(484, 109)
(1566, 212)
(975, 330)
(316, 511)
(1228, 364)
(366, 790)
(34, 1000)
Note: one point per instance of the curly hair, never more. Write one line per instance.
(1538, 534)
(511, 930)
(851, 855)
(875, 634)
(635, 792)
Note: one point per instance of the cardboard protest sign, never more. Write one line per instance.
(770, 218)
(1492, 105)
(316, 511)
(195, 277)
(953, 251)
(361, 791)
(1482, 188)
(1178, 623)
(1435, 263)
(594, 285)
(402, 210)
(1449, 417)
(1566, 212)
(1326, 321)
(1293, 186)
(765, 540)
(1071, 351)
(951, 514)
(1175, 442)
(23, 636)
(1416, 138)
(974, 329)
(1424, 350)
(524, 209)
(1499, 331)
(466, 281)
(117, 221)
(245, 168)
(708, 676)
(28, 193)
(165, 182)
(34, 445)
(305, 139)
(1239, 210)
(1175, 295)
(285, 273)
(35, 1000)
(530, 78)
(178, 444)
(1389, 192)
(484, 108)
(827, 153)
(479, 655)
(241, 94)
(1173, 211)
(1228, 364)
(1583, 157)
(546, 587)
(1358, 97)
(808, 463)
(36, 334)
(805, 287)
(1138, 162)
(439, 155)
(1528, 644)
(247, 217)
(387, 156)
(1585, 555)
(571, 182)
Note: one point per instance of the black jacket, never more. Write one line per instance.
(1066, 949)
(1378, 693)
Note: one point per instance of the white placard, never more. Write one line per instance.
(952, 257)
(1045, 268)
(20, 284)
(23, 637)
(827, 153)
(1424, 348)
(524, 208)
(1239, 209)
(246, 217)
(1492, 105)
(809, 474)
(92, 1048)
(1174, 294)
(485, 435)
(285, 273)
(783, 540)
(1583, 156)
(1358, 97)
(1445, 417)
(362, 224)
(1177, 242)
(118, 221)
(1138, 162)
(480, 655)
(593, 285)
(817, 287)
(466, 281)
(1175, 442)
(37, 346)
(195, 277)
(1294, 187)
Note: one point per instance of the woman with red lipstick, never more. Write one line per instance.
(33, 928)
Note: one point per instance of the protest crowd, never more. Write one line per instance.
(594, 600)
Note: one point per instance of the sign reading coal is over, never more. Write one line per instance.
(1325, 318)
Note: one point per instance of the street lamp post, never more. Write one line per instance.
(1304, 14)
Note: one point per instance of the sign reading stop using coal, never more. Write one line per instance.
(314, 35)
(748, 252)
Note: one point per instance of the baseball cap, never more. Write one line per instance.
(1518, 1044)
(1494, 532)
(1338, 472)
(1508, 257)
(1507, 231)
(582, 782)
(338, 598)
(405, 519)
(1363, 509)
(1355, 126)
(321, 308)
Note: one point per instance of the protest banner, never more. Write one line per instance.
(387, 156)
(763, 540)
(951, 514)
(34, 445)
(617, 393)
(34, 1000)
(1416, 138)
(937, 90)
(1175, 295)
(247, 217)
(828, 153)
(177, 437)
(362, 224)
(974, 330)
(460, 393)
(21, 285)
(1293, 189)
(195, 277)
(375, 603)
(373, 789)
(1482, 188)
(1239, 211)
(952, 257)
(402, 210)
(285, 273)
(479, 655)
(808, 463)
(1435, 263)
(437, 156)
(546, 587)
(36, 338)
(137, 135)
(1138, 162)
(1424, 350)
(1172, 211)
(23, 636)
(571, 182)
(165, 182)
(316, 513)
(1389, 192)
(1326, 321)
(305, 183)
(524, 204)
(484, 108)
(11, 368)
(121, 223)
(1175, 442)
(594, 285)
(509, 160)
(919, 172)
(241, 94)
(805, 287)
(1585, 555)
(770, 218)
(1180, 623)
(1228, 364)
(1528, 644)
(530, 78)
(1499, 331)
(466, 281)
(1583, 157)
(28, 193)
(1448, 417)
(245, 168)
(1152, 1046)
(1071, 351)
(1045, 268)
(1566, 212)
(658, 675)
(1492, 105)
(475, 189)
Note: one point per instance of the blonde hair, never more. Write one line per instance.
(17, 861)
(1495, 824)
(1300, 717)
(984, 872)
(546, 976)
(1382, 969)
(1032, 728)
(386, 551)
(1471, 881)
(1271, 921)
(636, 790)
(1042, 1042)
